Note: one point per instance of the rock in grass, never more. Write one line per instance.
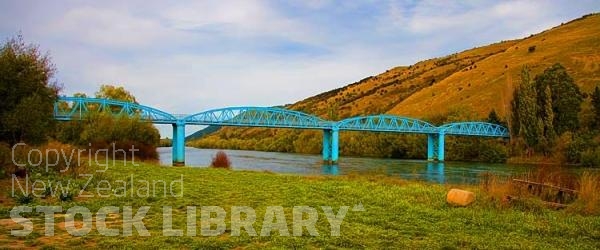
(460, 197)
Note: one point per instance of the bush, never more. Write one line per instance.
(221, 160)
(24, 199)
(27, 91)
(101, 130)
(67, 196)
(591, 157)
(493, 152)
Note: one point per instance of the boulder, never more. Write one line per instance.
(460, 197)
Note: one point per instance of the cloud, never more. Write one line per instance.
(237, 18)
(109, 28)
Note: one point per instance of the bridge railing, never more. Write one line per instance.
(387, 123)
(76, 108)
(257, 117)
(474, 129)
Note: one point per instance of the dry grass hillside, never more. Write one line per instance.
(479, 79)
(474, 81)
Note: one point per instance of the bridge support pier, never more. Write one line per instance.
(178, 143)
(440, 147)
(435, 147)
(331, 145)
(431, 147)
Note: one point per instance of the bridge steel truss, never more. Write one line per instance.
(76, 108)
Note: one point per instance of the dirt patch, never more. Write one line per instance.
(12, 223)
(6, 242)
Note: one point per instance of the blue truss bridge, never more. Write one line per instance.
(76, 108)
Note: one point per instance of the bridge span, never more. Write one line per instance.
(76, 108)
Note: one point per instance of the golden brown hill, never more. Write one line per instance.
(479, 79)
(474, 81)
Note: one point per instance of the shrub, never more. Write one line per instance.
(24, 199)
(221, 160)
(531, 49)
(493, 152)
(66, 196)
(591, 158)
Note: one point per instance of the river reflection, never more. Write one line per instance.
(449, 172)
(330, 169)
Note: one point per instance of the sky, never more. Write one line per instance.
(184, 57)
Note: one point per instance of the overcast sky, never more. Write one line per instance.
(184, 57)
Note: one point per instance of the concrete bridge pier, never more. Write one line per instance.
(178, 143)
(435, 147)
(331, 145)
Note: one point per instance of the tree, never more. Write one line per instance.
(100, 129)
(27, 93)
(116, 93)
(529, 124)
(494, 118)
(566, 97)
(547, 116)
(596, 106)
(79, 94)
(515, 122)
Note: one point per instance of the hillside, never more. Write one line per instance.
(478, 79)
(473, 82)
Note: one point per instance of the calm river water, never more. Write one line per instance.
(450, 172)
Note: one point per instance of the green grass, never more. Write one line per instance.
(398, 214)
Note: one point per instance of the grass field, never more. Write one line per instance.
(397, 214)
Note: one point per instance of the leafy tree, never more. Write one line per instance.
(27, 93)
(116, 93)
(596, 106)
(100, 129)
(566, 97)
(547, 116)
(545, 109)
(494, 118)
(515, 121)
(79, 94)
(530, 126)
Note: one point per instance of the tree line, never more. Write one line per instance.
(546, 118)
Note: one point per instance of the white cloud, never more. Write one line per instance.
(236, 18)
(109, 28)
(451, 19)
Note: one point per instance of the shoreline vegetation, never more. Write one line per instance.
(397, 212)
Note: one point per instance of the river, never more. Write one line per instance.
(289, 163)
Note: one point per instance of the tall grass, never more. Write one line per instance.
(497, 187)
(588, 197)
(548, 184)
